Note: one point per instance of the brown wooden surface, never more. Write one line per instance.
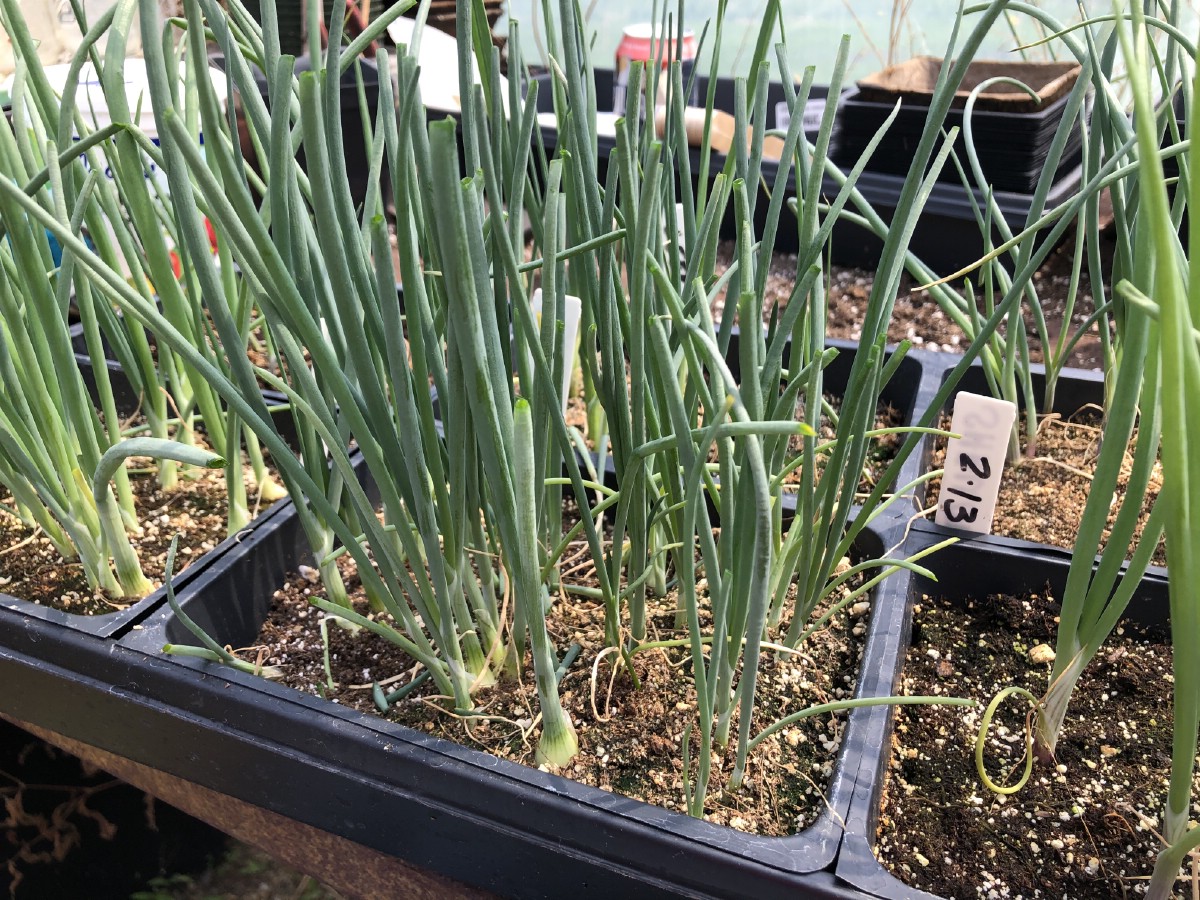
(347, 867)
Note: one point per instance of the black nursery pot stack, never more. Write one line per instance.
(1012, 133)
(1012, 148)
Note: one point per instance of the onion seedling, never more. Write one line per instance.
(58, 452)
(1174, 296)
(131, 227)
(671, 400)
(1096, 594)
(472, 510)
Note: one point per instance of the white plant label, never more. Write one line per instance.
(783, 115)
(573, 310)
(975, 462)
(813, 112)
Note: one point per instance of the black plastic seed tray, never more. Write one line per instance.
(426, 798)
(1012, 147)
(971, 569)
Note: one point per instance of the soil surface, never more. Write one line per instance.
(630, 739)
(195, 508)
(1084, 827)
(880, 450)
(880, 453)
(1043, 498)
(917, 317)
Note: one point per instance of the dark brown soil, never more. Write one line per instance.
(918, 318)
(32, 569)
(1042, 498)
(629, 738)
(880, 452)
(1083, 829)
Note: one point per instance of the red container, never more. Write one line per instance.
(640, 43)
